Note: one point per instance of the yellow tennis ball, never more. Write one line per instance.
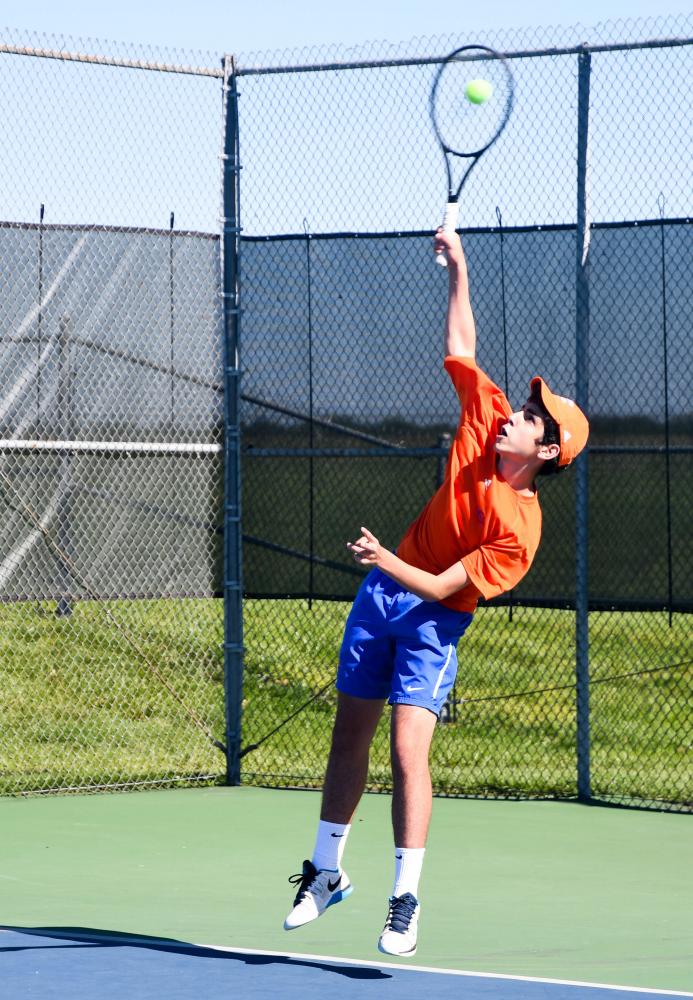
(478, 91)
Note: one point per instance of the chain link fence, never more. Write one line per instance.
(113, 405)
(346, 408)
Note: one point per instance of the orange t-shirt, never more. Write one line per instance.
(475, 516)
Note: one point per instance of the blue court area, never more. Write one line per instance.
(62, 963)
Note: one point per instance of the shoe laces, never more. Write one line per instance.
(304, 880)
(402, 909)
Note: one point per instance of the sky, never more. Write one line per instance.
(270, 25)
(72, 141)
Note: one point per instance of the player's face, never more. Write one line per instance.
(522, 432)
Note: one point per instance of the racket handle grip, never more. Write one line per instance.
(452, 211)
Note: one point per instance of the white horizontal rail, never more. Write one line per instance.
(130, 447)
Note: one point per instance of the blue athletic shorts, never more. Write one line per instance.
(399, 647)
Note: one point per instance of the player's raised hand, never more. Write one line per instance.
(450, 245)
(365, 549)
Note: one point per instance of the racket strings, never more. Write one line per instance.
(463, 127)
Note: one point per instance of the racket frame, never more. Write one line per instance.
(452, 207)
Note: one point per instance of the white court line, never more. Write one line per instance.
(168, 943)
(448, 972)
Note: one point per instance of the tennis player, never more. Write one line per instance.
(476, 537)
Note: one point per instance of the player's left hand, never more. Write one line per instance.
(366, 549)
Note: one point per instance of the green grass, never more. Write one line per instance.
(510, 735)
(82, 708)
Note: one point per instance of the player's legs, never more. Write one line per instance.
(364, 680)
(425, 669)
(347, 765)
(411, 734)
(323, 882)
(363, 683)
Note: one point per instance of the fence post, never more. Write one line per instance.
(443, 444)
(230, 299)
(582, 329)
(448, 712)
(667, 423)
(65, 424)
(311, 423)
(39, 322)
(172, 323)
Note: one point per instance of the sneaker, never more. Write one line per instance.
(399, 932)
(316, 891)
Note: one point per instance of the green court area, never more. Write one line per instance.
(543, 889)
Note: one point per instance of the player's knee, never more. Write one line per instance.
(408, 756)
(346, 740)
(353, 731)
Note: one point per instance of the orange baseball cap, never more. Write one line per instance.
(572, 422)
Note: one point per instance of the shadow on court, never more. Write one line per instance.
(90, 937)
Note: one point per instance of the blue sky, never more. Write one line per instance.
(73, 142)
(256, 25)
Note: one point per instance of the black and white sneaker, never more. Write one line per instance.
(316, 891)
(401, 927)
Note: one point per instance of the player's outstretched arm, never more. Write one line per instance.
(368, 551)
(460, 331)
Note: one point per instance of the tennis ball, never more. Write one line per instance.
(478, 91)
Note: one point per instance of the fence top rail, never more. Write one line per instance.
(653, 43)
(7, 48)
(84, 57)
(558, 227)
(94, 227)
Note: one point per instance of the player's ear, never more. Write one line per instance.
(548, 451)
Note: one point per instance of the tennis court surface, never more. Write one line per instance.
(183, 893)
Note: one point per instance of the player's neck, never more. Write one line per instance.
(518, 475)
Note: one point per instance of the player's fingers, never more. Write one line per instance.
(360, 548)
(363, 558)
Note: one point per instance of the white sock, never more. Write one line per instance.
(408, 864)
(329, 845)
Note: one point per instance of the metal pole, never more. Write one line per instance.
(499, 216)
(171, 320)
(443, 444)
(448, 712)
(667, 437)
(311, 425)
(230, 298)
(582, 329)
(64, 513)
(39, 323)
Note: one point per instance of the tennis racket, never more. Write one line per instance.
(466, 126)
